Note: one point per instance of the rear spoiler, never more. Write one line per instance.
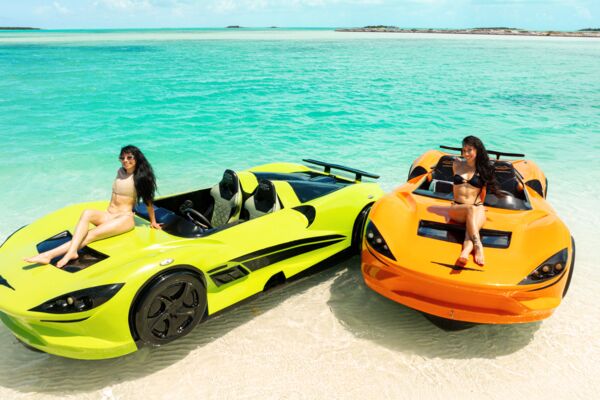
(328, 167)
(496, 153)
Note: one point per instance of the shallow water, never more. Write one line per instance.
(200, 101)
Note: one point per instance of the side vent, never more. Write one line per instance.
(228, 275)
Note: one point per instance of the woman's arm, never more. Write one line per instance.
(455, 164)
(153, 223)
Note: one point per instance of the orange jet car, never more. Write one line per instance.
(410, 246)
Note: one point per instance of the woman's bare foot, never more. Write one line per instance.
(478, 256)
(464, 254)
(42, 258)
(65, 260)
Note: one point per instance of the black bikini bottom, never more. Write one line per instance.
(458, 202)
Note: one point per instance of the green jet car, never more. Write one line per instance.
(252, 230)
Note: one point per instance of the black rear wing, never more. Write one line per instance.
(496, 153)
(328, 167)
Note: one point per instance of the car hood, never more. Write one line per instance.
(535, 235)
(24, 285)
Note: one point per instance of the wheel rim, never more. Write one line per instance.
(173, 307)
(172, 310)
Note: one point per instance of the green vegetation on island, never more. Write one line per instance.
(18, 28)
(588, 32)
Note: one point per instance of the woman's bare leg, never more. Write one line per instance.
(112, 227)
(459, 213)
(47, 256)
(478, 219)
(88, 216)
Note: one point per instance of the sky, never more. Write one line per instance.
(89, 14)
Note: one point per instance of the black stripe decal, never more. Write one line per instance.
(284, 246)
(456, 267)
(375, 255)
(216, 269)
(64, 321)
(265, 261)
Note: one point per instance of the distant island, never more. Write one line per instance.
(233, 27)
(17, 28)
(587, 32)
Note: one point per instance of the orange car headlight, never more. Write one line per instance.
(552, 267)
(377, 242)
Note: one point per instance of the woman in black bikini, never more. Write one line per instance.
(473, 177)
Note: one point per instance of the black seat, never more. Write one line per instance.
(507, 178)
(263, 200)
(443, 169)
(227, 199)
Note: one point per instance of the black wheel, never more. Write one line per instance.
(169, 308)
(359, 227)
(571, 268)
(448, 325)
(28, 347)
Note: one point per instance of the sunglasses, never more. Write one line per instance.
(128, 158)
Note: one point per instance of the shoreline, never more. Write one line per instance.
(476, 31)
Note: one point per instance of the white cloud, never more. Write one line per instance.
(224, 6)
(125, 5)
(60, 8)
(54, 8)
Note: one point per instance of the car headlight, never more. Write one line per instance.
(377, 242)
(550, 268)
(79, 301)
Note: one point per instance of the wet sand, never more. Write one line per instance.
(328, 336)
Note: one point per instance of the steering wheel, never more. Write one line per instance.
(195, 216)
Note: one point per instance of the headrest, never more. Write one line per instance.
(229, 185)
(443, 169)
(265, 196)
(503, 166)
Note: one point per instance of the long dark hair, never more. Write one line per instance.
(143, 176)
(482, 163)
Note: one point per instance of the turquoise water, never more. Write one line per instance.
(215, 99)
(199, 101)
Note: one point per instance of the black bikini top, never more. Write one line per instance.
(475, 180)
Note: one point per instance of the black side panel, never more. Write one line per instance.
(416, 172)
(537, 186)
(308, 211)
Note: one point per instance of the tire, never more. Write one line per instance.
(448, 325)
(169, 307)
(28, 347)
(359, 227)
(571, 268)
